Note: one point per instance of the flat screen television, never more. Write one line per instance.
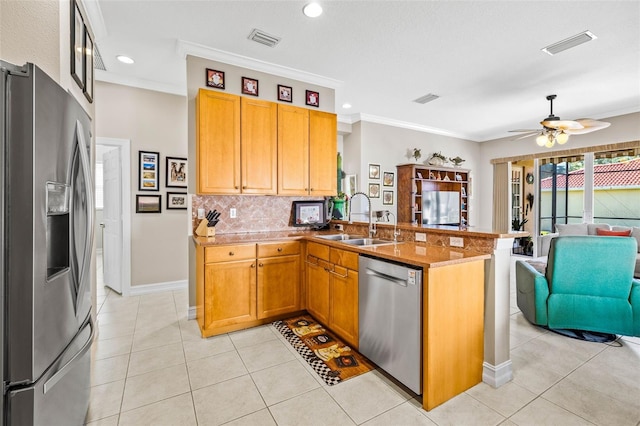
(310, 213)
(440, 208)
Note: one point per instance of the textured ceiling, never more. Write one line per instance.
(482, 58)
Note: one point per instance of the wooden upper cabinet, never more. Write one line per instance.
(293, 150)
(217, 143)
(323, 149)
(259, 136)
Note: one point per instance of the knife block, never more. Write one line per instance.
(204, 231)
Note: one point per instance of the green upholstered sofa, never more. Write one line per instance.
(588, 285)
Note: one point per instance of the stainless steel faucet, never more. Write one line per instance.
(372, 230)
(395, 226)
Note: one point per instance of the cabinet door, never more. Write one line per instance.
(344, 305)
(278, 285)
(293, 150)
(217, 143)
(230, 293)
(323, 151)
(259, 144)
(318, 291)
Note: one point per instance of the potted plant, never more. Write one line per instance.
(437, 159)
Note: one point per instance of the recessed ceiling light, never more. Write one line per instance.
(125, 59)
(346, 105)
(312, 10)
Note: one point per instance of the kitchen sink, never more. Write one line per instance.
(338, 237)
(366, 242)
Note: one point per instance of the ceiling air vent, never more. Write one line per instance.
(570, 42)
(261, 37)
(97, 60)
(426, 98)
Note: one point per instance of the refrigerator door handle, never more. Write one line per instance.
(53, 380)
(86, 171)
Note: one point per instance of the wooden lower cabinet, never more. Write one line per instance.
(278, 285)
(332, 290)
(241, 286)
(230, 293)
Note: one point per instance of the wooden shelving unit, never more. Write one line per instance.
(413, 179)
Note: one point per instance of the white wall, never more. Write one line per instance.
(624, 128)
(388, 146)
(153, 121)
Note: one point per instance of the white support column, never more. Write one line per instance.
(587, 213)
(497, 369)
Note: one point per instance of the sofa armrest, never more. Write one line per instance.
(634, 299)
(544, 242)
(532, 293)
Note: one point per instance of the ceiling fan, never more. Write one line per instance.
(556, 130)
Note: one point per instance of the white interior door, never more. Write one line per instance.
(112, 219)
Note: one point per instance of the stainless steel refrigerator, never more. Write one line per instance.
(47, 237)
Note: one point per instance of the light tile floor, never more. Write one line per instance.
(151, 367)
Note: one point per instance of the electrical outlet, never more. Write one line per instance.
(421, 236)
(456, 241)
(338, 227)
(232, 213)
(200, 213)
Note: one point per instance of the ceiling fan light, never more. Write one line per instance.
(550, 141)
(562, 138)
(541, 140)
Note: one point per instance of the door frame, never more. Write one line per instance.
(125, 159)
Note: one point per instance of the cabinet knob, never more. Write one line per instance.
(261, 265)
(310, 189)
(231, 253)
(279, 249)
(253, 265)
(236, 187)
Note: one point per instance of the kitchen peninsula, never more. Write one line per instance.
(462, 311)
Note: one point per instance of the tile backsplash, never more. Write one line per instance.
(254, 213)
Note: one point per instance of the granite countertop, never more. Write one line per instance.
(415, 253)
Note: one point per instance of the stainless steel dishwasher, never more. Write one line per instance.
(390, 318)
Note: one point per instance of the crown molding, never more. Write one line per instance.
(139, 83)
(185, 48)
(405, 125)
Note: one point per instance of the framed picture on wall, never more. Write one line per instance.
(176, 172)
(387, 198)
(77, 45)
(285, 93)
(148, 203)
(88, 66)
(312, 98)
(176, 200)
(374, 190)
(249, 86)
(374, 171)
(387, 179)
(148, 171)
(215, 78)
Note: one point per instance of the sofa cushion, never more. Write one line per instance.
(571, 229)
(608, 233)
(592, 228)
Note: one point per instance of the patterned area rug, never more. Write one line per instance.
(334, 361)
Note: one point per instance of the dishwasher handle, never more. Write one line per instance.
(387, 277)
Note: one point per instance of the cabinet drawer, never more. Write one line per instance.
(318, 250)
(229, 253)
(278, 249)
(348, 259)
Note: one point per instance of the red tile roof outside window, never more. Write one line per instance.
(624, 174)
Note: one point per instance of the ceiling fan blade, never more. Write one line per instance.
(589, 125)
(562, 124)
(526, 135)
(525, 130)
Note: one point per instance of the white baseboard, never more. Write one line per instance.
(138, 290)
(191, 314)
(497, 375)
